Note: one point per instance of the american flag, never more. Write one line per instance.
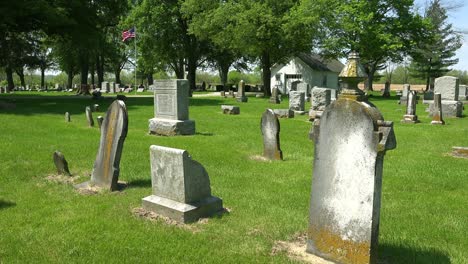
(128, 34)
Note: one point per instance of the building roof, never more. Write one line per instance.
(318, 63)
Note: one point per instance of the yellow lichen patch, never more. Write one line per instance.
(335, 248)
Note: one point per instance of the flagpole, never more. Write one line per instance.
(136, 86)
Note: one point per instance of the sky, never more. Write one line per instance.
(459, 19)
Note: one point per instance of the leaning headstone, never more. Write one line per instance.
(67, 117)
(463, 92)
(411, 117)
(107, 165)
(241, 92)
(270, 127)
(448, 87)
(320, 99)
(89, 116)
(305, 88)
(404, 95)
(171, 109)
(386, 91)
(274, 99)
(351, 139)
(297, 101)
(181, 186)
(437, 117)
(61, 163)
(100, 119)
(230, 109)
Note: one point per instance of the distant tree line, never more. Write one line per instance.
(83, 37)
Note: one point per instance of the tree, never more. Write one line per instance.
(380, 30)
(433, 57)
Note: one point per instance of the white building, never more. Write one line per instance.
(309, 68)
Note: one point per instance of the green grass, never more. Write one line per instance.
(424, 215)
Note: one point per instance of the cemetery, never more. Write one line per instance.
(123, 140)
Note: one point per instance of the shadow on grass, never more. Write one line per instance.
(389, 253)
(139, 183)
(5, 204)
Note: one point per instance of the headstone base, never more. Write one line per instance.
(181, 212)
(410, 119)
(449, 109)
(242, 99)
(299, 113)
(313, 114)
(167, 127)
(284, 113)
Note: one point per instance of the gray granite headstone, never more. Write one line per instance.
(274, 99)
(67, 117)
(448, 87)
(296, 101)
(230, 109)
(305, 88)
(61, 163)
(350, 143)
(100, 119)
(113, 133)
(463, 92)
(181, 186)
(437, 117)
(404, 95)
(410, 116)
(89, 116)
(241, 92)
(270, 127)
(105, 87)
(171, 109)
(320, 99)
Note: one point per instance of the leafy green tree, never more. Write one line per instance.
(433, 57)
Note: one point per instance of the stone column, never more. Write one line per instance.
(437, 111)
(241, 92)
(411, 117)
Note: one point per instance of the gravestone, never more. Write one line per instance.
(241, 92)
(61, 163)
(284, 113)
(111, 87)
(448, 87)
(105, 87)
(270, 127)
(223, 94)
(437, 117)
(230, 109)
(100, 119)
(404, 95)
(89, 116)
(297, 102)
(386, 91)
(305, 88)
(171, 109)
(140, 90)
(411, 117)
(463, 92)
(57, 86)
(461, 152)
(320, 99)
(294, 85)
(117, 88)
(128, 90)
(107, 165)
(67, 117)
(95, 108)
(274, 99)
(181, 186)
(351, 139)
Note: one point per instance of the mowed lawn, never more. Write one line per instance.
(424, 215)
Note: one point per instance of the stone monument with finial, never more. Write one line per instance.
(351, 138)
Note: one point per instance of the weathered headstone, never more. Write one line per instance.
(230, 109)
(404, 96)
(100, 120)
(67, 117)
(448, 87)
(411, 116)
(61, 163)
(297, 101)
(437, 117)
(320, 99)
(241, 92)
(140, 90)
(117, 88)
(111, 87)
(89, 116)
(105, 87)
(113, 132)
(350, 143)
(223, 94)
(305, 88)
(95, 107)
(171, 109)
(461, 152)
(463, 92)
(270, 127)
(284, 113)
(274, 99)
(294, 85)
(181, 186)
(386, 91)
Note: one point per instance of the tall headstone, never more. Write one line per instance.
(270, 127)
(105, 87)
(404, 96)
(89, 116)
(181, 186)
(448, 87)
(297, 101)
(410, 116)
(437, 118)
(320, 99)
(171, 109)
(67, 117)
(111, 87)
(241, 92)
(305, 88)
(113, 133)
(61, 163)
(351, 138)
(463, 92)
(274, 99)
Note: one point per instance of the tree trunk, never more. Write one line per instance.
(428, 83)
(20, 73)
(191, 75)
(117, 75)
(266, 73)
(69, 79)
(223, 70)
(370, 81)
(93, 71)
(150, 79)
(100, 69)
(84, 70)
(9, 75)
(42, 77)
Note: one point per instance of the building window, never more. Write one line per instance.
(324, 81)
